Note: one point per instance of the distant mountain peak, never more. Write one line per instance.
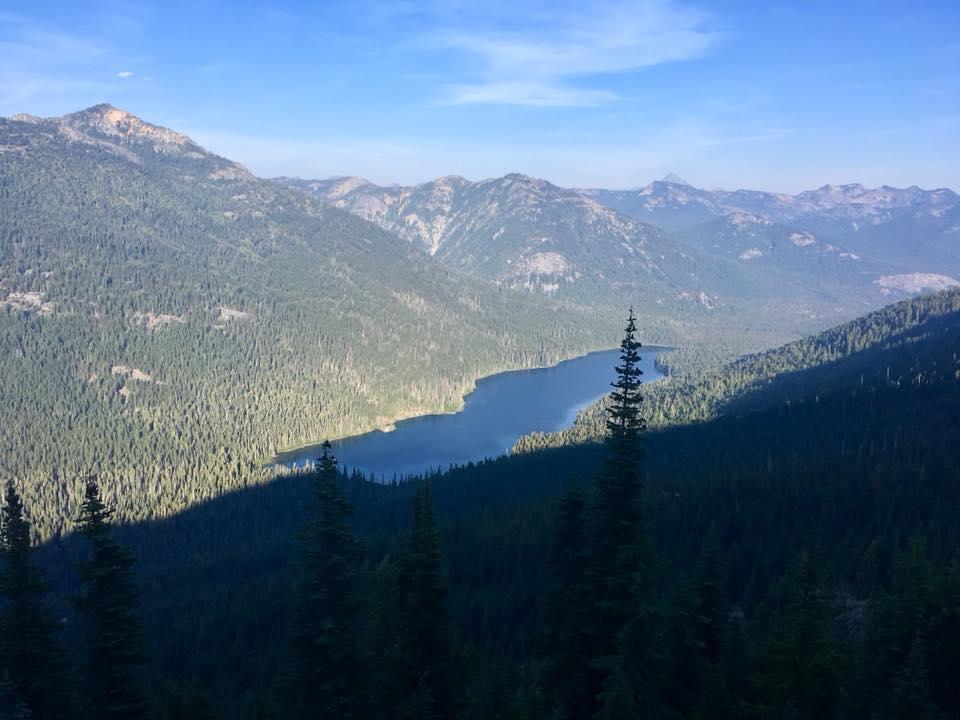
(675, 179)
(113, 121)
(26, 117)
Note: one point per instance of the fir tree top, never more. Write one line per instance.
(623, 415)
(14, 528)
(94, 513)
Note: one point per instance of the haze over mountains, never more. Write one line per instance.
(175, 281)
(191, 306)
(837, 245)
(169, 322)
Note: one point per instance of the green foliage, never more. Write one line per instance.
(801, 667)
(843, 357)
(31, 658)
(195, 311)
(857, 454)
(325, 674)
(426, 633)
(112, 685)
(566, 644)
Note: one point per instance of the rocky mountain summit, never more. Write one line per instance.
(911, 227)
(524, 232)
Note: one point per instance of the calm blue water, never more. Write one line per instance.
(501, 409)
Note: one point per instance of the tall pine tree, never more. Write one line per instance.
(617, 542)
(426, 627)
(623, 626)
(802, 667)
(30, 652)
(113, 682)
(569, 681)
(323, 635)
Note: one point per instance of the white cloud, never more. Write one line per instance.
(124, 74)
(549, 59)
(528, 92)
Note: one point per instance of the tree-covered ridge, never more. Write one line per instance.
(748, 260)
(846, 357)
(910, 227)
(167, 318)
(797, 560)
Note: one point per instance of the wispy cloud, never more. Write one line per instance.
(124, 74)
(558, 56)
(417, 159)
(38, 64)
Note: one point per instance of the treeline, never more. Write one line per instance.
(398, 661)
(797, 561)
(845, 357)
(169, 322)
(35, 670)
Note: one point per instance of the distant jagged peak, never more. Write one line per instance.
(843, 189)
(526, 180)
(451, 180)
(674, 179)
(885, 196)
(26, 118)
(337, 187)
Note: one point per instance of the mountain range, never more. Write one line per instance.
(164, 306)
(907, 226)
(827, 253)
(170, 320)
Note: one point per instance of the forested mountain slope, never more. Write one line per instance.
(169, 320)
(854, 481)
(527, 233)
(896, 344)
(762, 263)
(917, 230)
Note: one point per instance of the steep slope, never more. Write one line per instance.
(859, 466)
(911, 342)
(917, 230)
(795, 254)
(170, 317)
(526, 233)
(743, 259)
(666, 204)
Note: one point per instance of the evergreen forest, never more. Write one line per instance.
(773, 538)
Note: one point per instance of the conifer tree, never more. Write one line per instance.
(618, 699)
(944, 643)
(618, 543)
(912, 696)
(323, 635)
(624, 630)
(30, 652)
(12, 706)
(570, 682)
(426, 635)
(801, 671)
(113, 684)
(382, 660)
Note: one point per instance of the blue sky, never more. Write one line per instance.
(615, 93)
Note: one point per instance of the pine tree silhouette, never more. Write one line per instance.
(323, 635)
(113, 683)
(30, 652)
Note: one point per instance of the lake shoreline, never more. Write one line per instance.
(499, 407)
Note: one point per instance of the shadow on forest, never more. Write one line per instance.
(213, 578)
